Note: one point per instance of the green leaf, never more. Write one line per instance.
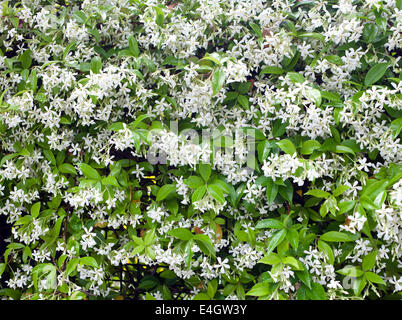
(370, 31)
(396, 126)
(381, 22)
(2, 95)
(116, 126)
(199, 193)
(12, 293)
(341, 189)
(317, 292)
(375, 73)
(296, 77)
(71, 46)
(27, 252)
(133, 45)
(309, 146)
(343, 149)
(89, 261)
(49, 156)
(293, 238)
(324, 209)
(359, 284)
(160, 17)
(304, 276)
(89, 172)
(335, 60)
(205, 244)
(272, 70)
(271, 191)
(375, 278)
(263, 149)
(256, 28)
(287, 146)
(276, 239)
(71, 266)
(149, 237)
(380, 199)
(214, 57)
(270, 259)
(95, 33)
(67, 168)
(80, 16)
(313, 35)
(205, 171)
(138, 120)
(263, 181)
(242, 87)
(326, 248)
(164, 191)
(44, 271)
(201, 296)
(269, 223)
(318, 193)
(346, 206)
(314, 95)
(23, 220)
(286, 191)
(212, 287)
(367, 203)
(369, 261)
(221, 185)
(26, 59)
(53, 234)
(243, 101)
(96, 65)
(292, 262)
(259, 290)
(216, 193)
(194, 182)
(35, 210)
(352, 144)
(110, 180)
(279, 128)
(2, 268)
(335, 134)
(336, 236)
(181, 233)
(218, 79)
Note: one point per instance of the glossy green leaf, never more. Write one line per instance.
(272, 70)
(35, 209)
(309, 146)
(374, 278)
(276, 239)
(287, 146)
(269, 223)
(369, 261)
(164, 191)
(318, 193)
(199, 193)
(218, 79)
(205, 171)
(89, 172)
(67, 168)
(216, 193)
(181, 233)
(375, 73)
(336, 236)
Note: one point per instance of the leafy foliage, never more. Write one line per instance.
(200, 149)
